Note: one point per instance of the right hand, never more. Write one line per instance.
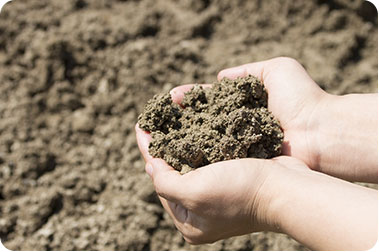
(336, 135)
(295, 100)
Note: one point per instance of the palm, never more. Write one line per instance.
(293, 96)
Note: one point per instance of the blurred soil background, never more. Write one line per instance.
(75, 74)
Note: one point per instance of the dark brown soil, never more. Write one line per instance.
(230, 120)
(75, 74)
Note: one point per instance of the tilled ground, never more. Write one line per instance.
(75, 74)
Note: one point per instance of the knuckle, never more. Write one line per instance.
(195, 236)
(188, 231)
(160, 193)
(287, 60)
(191, 242)
(197, 240)
(219, 75)
(194, 240)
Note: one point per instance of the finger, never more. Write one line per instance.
(177, 94)
(169, 184)
(186, 222)
(143, 140)
(182, 218)
(177, 212)
(256, 69)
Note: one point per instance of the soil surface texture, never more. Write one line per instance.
(75, 75)
(230, 120)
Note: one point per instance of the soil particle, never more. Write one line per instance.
(230, 120)
(83, 121)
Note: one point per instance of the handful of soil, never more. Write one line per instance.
(230, 120)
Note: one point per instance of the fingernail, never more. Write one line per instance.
(149, 169)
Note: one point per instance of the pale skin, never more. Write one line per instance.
(303, 193)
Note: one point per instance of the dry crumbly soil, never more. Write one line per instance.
(75, 74)
(229, 120)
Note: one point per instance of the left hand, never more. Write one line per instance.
(217, 201)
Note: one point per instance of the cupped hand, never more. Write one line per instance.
(294, 99)
(236, 197)
(220, 200)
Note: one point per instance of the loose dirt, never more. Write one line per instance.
(228, 121)
(75, 75)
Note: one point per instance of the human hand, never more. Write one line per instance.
(202, 207)
(336, 135)
(220, 200)
(207, 205)
(294, 99)
(282, 194)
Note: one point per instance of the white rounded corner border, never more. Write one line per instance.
(375, 3)
(3, 248)
(2, 3)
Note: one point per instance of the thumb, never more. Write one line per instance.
(178, 93)
(256, 69)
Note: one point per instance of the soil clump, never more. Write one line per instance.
(230, 120)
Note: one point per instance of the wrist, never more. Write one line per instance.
(263, 216)
(342, 137)
(318, 123)
(315, 209)
(286, 182)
